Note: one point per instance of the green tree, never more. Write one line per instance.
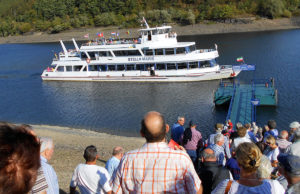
(270, 8)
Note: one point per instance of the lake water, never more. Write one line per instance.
(117, 108)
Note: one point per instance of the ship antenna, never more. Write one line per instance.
(145, 22)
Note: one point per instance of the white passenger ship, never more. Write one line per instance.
(156, 56)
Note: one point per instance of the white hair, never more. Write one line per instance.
(218, 138)
(265, 168)
(180, 118)
(46, 143)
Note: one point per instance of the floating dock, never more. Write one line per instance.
(244, 98)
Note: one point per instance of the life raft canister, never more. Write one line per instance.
(88, 60)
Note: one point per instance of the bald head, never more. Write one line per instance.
(153, 127)
(208, 155)
(284, 134)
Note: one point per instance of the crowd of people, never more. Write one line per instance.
(234, 159)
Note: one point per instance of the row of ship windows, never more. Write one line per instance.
(140, 67)
(147, 52)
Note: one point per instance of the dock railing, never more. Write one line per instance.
(231, 101)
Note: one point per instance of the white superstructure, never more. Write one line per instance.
(155, 56)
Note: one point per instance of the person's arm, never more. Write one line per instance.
(200, 191)
(72, 190)
(109, 192)
(227, 150)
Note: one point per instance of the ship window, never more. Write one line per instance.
(120, 67)
(193, 65)
(154, 32)
(77, 67)
(169, 51)
(120, 53)
(134, 53)
(192, 48)
(104, 54)
(111, 67)
(84, 69)
(180, 50)
(130, 67)
(159, 52)
(213, 62)
(93, 68)
(182, 66)
(148, 52)
(171, 66)
(204, 64)
(140, 67)
(160, 66)
(103, 67)
(83, 55)
(60, 68)
(69, 68)
(92, 55)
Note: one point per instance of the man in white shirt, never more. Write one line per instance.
(89, 177)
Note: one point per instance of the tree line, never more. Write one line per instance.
(53, 16)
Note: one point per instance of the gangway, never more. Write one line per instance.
(244, 98)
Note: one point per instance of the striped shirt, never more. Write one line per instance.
(155, 168)
(267, 187)
(211, 140)
(219, 153)
(40, 183)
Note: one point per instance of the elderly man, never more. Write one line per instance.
(156, 168)
(19, 164)
(210, 172)
(218, 149)
(47, 149)
(113, 163)
(283, 142)
(293, 127)
(290, 168)
(177, 129)
(295, 147)
(89, 177)
(211, 140)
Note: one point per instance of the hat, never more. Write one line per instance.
(191, 123)
(295, 124)
(291, 163)
(219, 126)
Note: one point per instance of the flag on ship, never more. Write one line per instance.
(240, 59)
(128, 32)
(86, 36)
(117, 33)
(113, 33)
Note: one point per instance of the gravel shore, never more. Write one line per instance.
(70, 144)
(246, 25)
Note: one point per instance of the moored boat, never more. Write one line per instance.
(155, 56)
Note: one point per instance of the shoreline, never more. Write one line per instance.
(197, 29)
(70, 144)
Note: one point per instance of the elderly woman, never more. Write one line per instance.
(265, 169)
(248, 156)
(272, 150)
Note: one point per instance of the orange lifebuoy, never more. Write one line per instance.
(232, 74)
(88, 60)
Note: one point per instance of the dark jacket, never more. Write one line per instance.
(211, 175)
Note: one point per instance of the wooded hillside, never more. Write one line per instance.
(53, 16)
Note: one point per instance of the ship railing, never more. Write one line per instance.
(112, 42)
(205, 50)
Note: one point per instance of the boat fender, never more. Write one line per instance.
(88, 60)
